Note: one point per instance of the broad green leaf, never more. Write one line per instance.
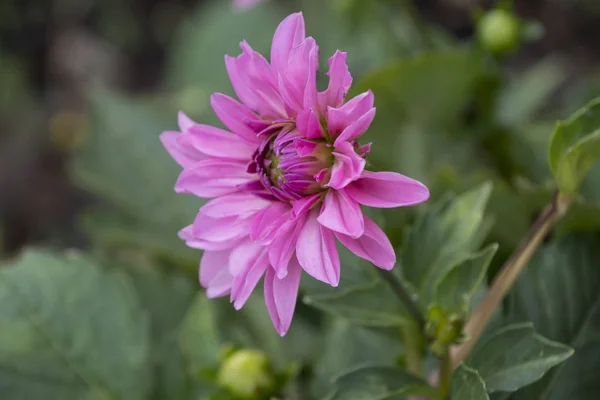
(378, 383)
(575, 147)
(560, 292)
(165, 297)
(199, 337)
(456, 289)
(69, 330)
(124, 162)
(431, 88)
(528, 92)
(515, 356)
(467, 384)
(347, 345)
(443, 238)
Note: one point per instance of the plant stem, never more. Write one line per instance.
(404, 297)
(509, 274)
(445, 375)
(412, 338)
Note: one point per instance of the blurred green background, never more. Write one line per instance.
(86, 87)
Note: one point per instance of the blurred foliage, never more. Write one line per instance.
(124, 318)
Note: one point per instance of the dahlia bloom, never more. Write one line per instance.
(287, 179)
(245, 4)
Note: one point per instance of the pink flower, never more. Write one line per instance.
(287, 179)
(245, 4)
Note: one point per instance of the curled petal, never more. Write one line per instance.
(196, 243)
(215, 142)
(237, 204)
(317, 252)
(348, 166)
(268, 221)
(252, 268)
(342, 214)
(387, 190)
(373, 245)
(184, 122)
(289, 34)
(357, 128)
(294, 78)
(340, 81)
(282, 248)
(340, 118)
(220, 229)
(308, 124)
(211, 264)
(183, 155)
(211, 178)
(281, 295)
(236, 117)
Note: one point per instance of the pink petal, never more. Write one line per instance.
(243, 256)
(342, 214)
(308, 124)
(255, 83)
(373, 245)
(281, 295)
(340, 118)
(347, 167)
(282, 248)
(211, 178)
(195, 243)
(304, 204)
(183, 155)
(387, 190)
(220, 229)
(235, 116)
(216, 142)
(317, 252)
(357, 128)
(268, 221)
(211, 264)
(288, 35)
(294, 77)
(237, 204)
(220, 285)
(184, 122)
(245, 282)
(339, 81)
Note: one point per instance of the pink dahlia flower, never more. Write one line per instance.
(287, 179)
(245, 4)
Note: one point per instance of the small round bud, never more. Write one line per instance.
(499, 31)
(247, 374)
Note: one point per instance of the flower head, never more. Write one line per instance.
(287, 180)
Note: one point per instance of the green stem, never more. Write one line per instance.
(412, 338)
(404, 296)
(445, 375)
(508, 275)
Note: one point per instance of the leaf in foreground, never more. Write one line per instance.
(69, 330)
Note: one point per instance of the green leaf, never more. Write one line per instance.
(467, 384)
(124, 162)
(575, 147)
(560, 292)
(348, 345)
(455, 291)
(431, 88)
(443, 238)
(379, 383)
(362, 297)
(69, 330)
(199, 337)
(515, 356)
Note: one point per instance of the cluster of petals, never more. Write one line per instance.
(286, 179)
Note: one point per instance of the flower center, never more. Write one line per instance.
(288, 164)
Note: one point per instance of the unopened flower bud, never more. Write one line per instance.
(499, 31)
(247, 374)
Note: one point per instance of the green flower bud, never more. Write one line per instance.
(247, 374)
(499, 31)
